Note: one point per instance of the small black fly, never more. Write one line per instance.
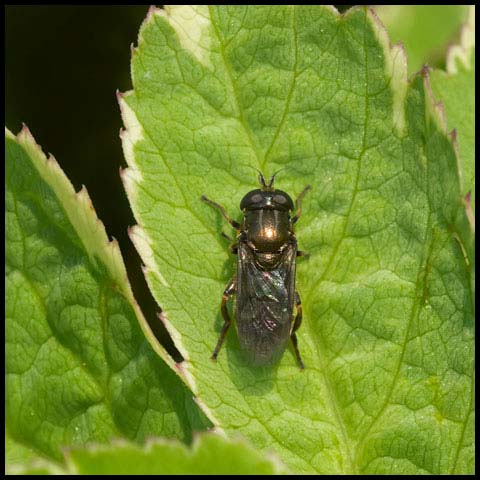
(265, 280)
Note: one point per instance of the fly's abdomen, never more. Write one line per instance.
(264, 318)
(264, 303)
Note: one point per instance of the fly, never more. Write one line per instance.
(264, 283)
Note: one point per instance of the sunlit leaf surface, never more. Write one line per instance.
(78, 366)
(388, 329)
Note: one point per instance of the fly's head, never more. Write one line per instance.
(267, 197)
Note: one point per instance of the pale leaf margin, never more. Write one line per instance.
(154, 446)
(80, 211)
(462, 53)
(199, 442)
(189, 23)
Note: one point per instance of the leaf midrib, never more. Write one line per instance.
(333, 402)
(228, 70)
(331, 396)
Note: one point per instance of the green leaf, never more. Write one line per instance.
(424, 30)
(78, 367)
(15, 452)
(455, 87)
(387, 335)
(209, 455)
(38, 466)
(21, 460)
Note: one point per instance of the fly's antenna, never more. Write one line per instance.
(261, 179)
(263, 183)
(272, 179)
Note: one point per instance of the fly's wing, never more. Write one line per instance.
(264, 307)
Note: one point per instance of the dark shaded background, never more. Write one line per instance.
(63, 65)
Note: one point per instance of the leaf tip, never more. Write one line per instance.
(133, 132)
(123, 172)
(51, 160)
(467, 202)
(25, 130)
(132, 231)
(9, 134)
(436, 109)
(84, 197)
(114, 244)
(121, 132)
(142, 243)
(181, 369)
(151, 11)
(130, 177)
(166, 323)
(145, 270)
(453, 134)
(335, 10)
(25, 135)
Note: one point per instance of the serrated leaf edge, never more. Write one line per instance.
(24, 469)
(197, 441)
(396, 69)
(90, 230)
(131, 178)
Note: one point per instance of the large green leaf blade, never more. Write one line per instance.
(22, 460)
(78, 367)
(387, 336)
(209, 455)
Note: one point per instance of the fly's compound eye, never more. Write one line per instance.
(256, 198)
(283, 200)
(280, 199)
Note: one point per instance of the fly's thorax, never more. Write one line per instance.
(267, 229)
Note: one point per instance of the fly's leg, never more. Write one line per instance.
(301, 253)
(233, 246)
(232, 285)
(228, 292)
(296, 324)
(298, 204)
(232, 222)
